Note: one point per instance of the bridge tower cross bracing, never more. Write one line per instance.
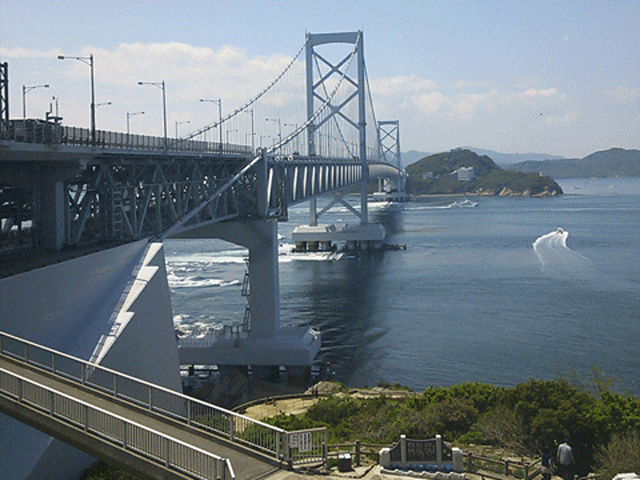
(315, 91)
(389, 142)
(390, 188)
(4, 99)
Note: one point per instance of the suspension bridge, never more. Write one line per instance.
(84, 212)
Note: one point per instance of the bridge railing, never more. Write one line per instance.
(155, 446)
(271, 441)
(38, 131)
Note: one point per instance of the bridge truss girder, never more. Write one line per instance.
(123, 198)
(120, 198)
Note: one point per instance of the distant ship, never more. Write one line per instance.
(560, 230)
(465, 203)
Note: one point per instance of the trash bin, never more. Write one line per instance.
(344, 462)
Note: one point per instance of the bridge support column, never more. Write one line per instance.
(313, 212)
(263, 278)
(52, 212)
(261, 238)
(267, 344)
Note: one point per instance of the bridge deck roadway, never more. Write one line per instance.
(247, 465)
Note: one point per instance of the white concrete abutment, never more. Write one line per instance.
(113, 308)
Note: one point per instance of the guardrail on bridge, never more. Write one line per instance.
(292, 448)
(156, 446)
(31, 130)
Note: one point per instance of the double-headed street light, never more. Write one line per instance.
(26, 89)
(129, 115)
(253, 133)
(219, 102)
(180, 123)
(279, 126)
(230, 131)
(161, 86)
(295, 127)
(88, 61)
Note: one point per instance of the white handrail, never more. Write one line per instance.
(131, 436)
(176, 405)
(161, 400)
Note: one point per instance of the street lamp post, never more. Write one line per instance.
(230, 131)
(295, 127)
(253, 134)
(88, 61)
(161, 86)
(279, 126)
(219, 102)
(180, 123)
(26, 89)
(129, 115)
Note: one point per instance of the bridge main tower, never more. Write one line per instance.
(390, 188)
(352, 113)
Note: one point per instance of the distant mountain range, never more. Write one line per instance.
(615, 162)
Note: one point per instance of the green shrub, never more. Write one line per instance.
(621, 454)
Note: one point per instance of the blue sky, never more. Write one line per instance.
(559, 77)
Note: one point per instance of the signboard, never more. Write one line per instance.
(302, 441)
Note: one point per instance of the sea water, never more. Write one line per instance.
(492, 293)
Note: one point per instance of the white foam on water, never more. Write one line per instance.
(466, 203)
(198, 281)
(557, 259)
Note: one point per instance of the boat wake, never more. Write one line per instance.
(557, 259)
(466, 203)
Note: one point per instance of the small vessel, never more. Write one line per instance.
(560, 230)
(465, 203)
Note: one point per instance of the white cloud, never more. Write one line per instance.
(623, 94)
(410, 84)
(464, 110)
(549, 92)
(467, 84)
(25, 53)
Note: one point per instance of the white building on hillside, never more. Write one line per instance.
(465, 174)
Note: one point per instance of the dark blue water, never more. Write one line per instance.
(469, 300)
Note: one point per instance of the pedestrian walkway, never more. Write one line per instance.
(246, 464)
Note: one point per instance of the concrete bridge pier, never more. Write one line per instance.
(266, 344)
(53, 205)
(45, 180)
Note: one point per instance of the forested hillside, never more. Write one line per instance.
(437, 175)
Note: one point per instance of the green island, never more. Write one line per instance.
(442, 174)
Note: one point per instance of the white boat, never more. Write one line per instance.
(465, 203)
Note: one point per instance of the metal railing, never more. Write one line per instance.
(36, 131)
(130, 436)
(274, 442)
(50, 133)
(498, 469)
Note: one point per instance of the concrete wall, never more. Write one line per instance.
(113, 307)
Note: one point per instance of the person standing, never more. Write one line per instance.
(566, 460)
(545, 466)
